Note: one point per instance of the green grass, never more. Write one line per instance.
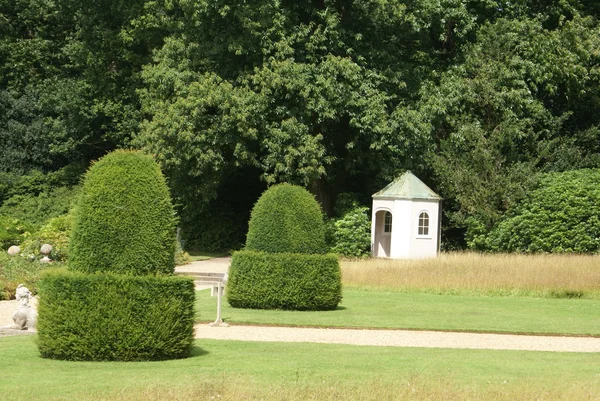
(398, 310)
(232, 370)
(201, 255)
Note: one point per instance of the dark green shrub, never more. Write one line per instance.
(561, 215)
(291, 281)
(102, 317)
(36, 210)
(345, 202)
(124, 233)
(284, 265)
(286, 218)
(219, 225)
(352, 233)
(35, 182)
(215, 230)
(124, 221)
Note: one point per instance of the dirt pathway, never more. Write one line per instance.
(400, 338)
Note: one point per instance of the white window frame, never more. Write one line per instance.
(385, 222)
(427, 227)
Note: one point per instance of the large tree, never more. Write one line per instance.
(520, 102)
(69, 71)
(313, 93)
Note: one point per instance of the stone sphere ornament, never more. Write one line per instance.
(14, 250)
(45, 250)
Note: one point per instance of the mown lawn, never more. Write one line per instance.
(233, 370)
(400, 310)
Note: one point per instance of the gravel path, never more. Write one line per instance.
(7, 308)
(401, 338)
(216, 265)
(393, 338)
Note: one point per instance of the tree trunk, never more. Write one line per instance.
(322, 192)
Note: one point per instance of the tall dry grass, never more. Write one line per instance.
(474, 273)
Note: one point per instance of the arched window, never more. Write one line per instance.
(423, 223)
(387, 223)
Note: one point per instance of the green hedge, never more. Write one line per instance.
(124, 221)
(286, 218)
(290, 281)
(95, 317)
(561, 215)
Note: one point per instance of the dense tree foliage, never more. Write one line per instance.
(561, 215)
(521, 101)
(477, 97)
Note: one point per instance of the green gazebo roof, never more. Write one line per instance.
(407, 186)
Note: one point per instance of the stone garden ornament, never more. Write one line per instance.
(45, 250)
(13, 250)
(25, 316)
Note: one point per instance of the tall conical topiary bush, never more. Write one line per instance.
(284, 265)
(119, 299)
(125, 221)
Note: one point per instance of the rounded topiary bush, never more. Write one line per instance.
(284, 265)
(286, 218)
(124, 221)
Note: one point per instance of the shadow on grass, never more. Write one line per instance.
(197, 351)
(338, 308)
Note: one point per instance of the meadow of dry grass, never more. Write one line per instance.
(560, 276)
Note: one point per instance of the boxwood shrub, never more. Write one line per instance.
(286, 218)
(293, 281)
(111, 317)
(124, 221)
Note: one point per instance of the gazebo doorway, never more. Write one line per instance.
(383, 234)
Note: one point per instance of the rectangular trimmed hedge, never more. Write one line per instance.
(292, 281)
(114, 317)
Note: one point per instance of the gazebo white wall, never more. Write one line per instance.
(404, 240)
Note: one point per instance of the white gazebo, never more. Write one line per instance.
(406, 220)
